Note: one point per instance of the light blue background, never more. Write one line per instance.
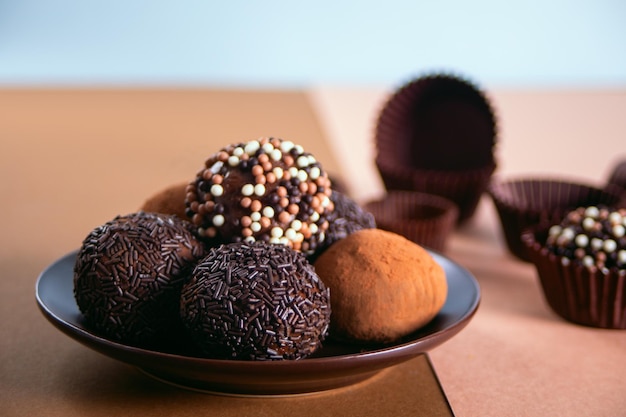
(292, 44)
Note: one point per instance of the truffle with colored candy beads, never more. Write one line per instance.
(267, 189)
(594, 236)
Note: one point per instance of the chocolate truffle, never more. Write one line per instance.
(255, 301)
(383, 286)
(347, 217)
(592, 236)
(170, 200)
(267, 189)
(129, 273)
(581, 265)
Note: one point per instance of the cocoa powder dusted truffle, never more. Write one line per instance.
(170, 200)
(256, 301)
(593, 236)
(383, 286)
(267, 189)
(129, 273)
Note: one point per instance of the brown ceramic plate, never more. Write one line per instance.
(335, 365)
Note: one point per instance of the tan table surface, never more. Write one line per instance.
(71, 160)
(516, 357)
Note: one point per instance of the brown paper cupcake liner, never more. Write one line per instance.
(436, 135)
(578, 294)
(463, 188)
(617, 178)
(437, 122)
(425, 219)
(525, 203)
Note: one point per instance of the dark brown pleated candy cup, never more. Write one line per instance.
(582, 295)
(525, 203)
(617, 178)
(436, 135)
(425, 219)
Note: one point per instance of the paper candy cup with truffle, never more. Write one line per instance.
(527, 202)
(578, 294)
(436, 135)
(425, 219)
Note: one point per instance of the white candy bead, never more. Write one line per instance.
(582, 241)
(592, 212)
(276, 154)
(216, 167)
(315, 173)
(259, 189)
(218, 220)
(286, 146)
(268, 211)
(302, 161)
(217, 190)
(588, 223)
(296, 225)
(252, 147)
(609, 245)
(233, 160)
(555, 230)
(596, 244)
(247, 190)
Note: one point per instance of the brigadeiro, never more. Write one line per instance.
(267, 189)
(256, 301)
(524, 203)
(581, 263)
(128, 276)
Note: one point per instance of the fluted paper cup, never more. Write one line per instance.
(425, 219)
(436, 134)
(528, 202)
(587, 296)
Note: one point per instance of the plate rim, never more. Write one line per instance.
(400, 352)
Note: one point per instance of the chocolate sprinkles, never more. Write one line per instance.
(256, 301)
(129, 273)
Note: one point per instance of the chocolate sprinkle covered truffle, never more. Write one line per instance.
(267, 189)
(129, 272)
(256, 301)
(593, 236)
